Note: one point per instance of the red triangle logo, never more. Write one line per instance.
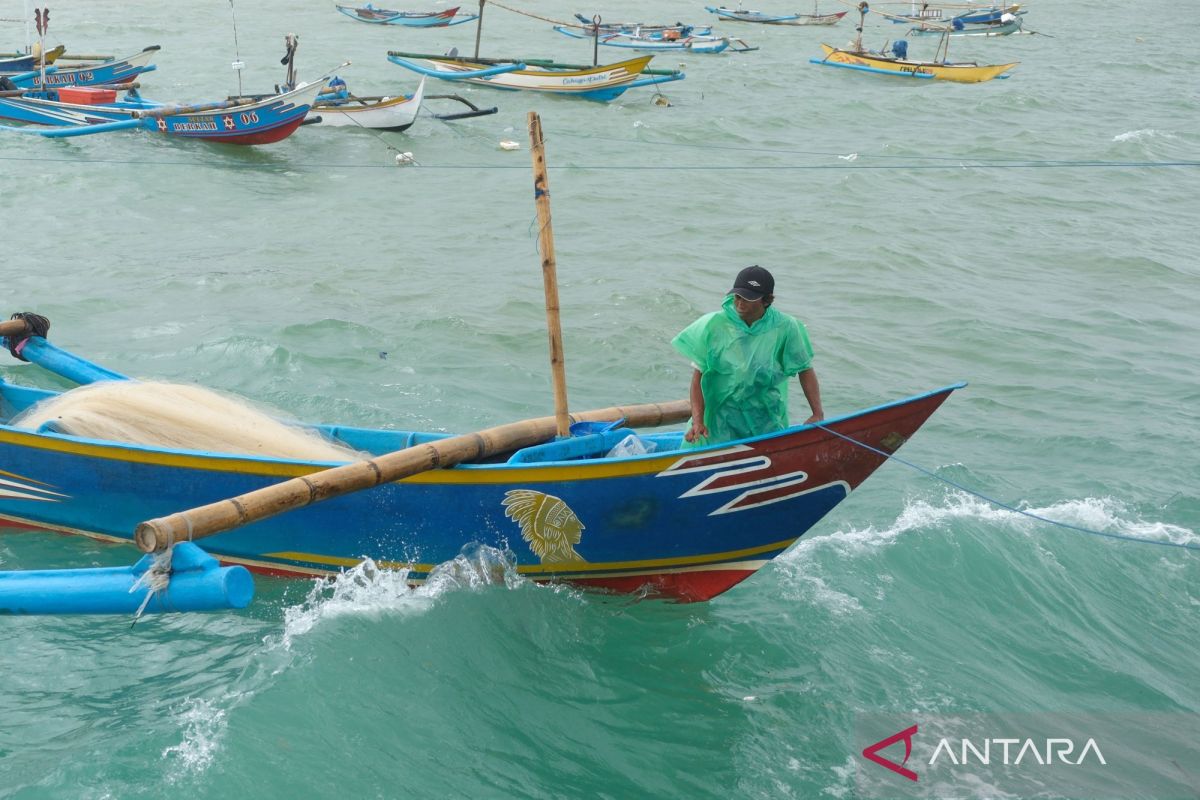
(872, 753)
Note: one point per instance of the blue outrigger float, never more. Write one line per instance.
(684, 524)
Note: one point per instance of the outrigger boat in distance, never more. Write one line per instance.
(337, 107)
(740, 15)
(601, 83)
(410, 19)
(101, 73)
(659, 43)
(993, 14)
(1005, 26)
(26, 62)
(231, 122)
(641, 28)
(681, 524)
(936, 14)
(897, 65)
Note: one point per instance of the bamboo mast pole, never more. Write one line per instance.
(541, 196)
(479, 27)
(224, 515)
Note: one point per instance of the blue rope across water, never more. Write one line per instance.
(1000, 504)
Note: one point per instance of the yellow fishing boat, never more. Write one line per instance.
(885, 64)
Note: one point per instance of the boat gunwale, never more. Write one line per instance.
(282, 467)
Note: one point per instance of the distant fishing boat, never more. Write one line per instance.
(410, 19)
(644, 28)
(601, 83)
(337, 107)
(25, 62)
(100, 73)
(991, 14)
(762, 18)
(231, 122)
(937, 14)
(897, 64)
(660, 41)
(1005, 26)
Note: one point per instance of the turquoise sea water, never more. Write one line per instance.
(1009, 234)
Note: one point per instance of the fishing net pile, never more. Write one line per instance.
(177, 416)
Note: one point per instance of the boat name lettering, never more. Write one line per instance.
(585, 79)
(70, 78)
(194, 125)
(249, 118)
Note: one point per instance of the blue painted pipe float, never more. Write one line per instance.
(67, 365)
(198, 583)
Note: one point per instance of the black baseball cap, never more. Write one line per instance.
(753, 283)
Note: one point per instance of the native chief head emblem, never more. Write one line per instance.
(547, 524)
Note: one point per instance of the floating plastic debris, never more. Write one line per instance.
(509, 144)
(404, 159)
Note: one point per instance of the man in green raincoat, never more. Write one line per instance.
(744, 356)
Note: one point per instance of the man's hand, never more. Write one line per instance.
(696, 431)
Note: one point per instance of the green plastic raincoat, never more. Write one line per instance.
(744, 370)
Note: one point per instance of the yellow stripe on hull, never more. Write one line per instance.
(465, 474)
(574, 568)
(958, 73)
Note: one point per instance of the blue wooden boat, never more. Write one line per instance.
(987, 15)
(641, 28)
(16, 64)
(657, 42)
(684, 524)
(409, 19)
(103, 73)
(242, 122)
(740, 15)
(599, 83)
(1004, 27)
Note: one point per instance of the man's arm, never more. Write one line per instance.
(696, 395)
(812, 393)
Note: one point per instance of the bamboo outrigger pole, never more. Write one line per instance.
(13, 327)
(225, 515)
(541, 197)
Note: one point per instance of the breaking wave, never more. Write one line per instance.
(1144, 133)
(369, 590)
(1102, 514)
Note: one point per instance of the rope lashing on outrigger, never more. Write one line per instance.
(1001, 504)
(156, 579)
(35, 325)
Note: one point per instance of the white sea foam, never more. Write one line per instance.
(203, 725)
(1104, 515)
(1144, 133)
(813, 590)
(367, 590)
